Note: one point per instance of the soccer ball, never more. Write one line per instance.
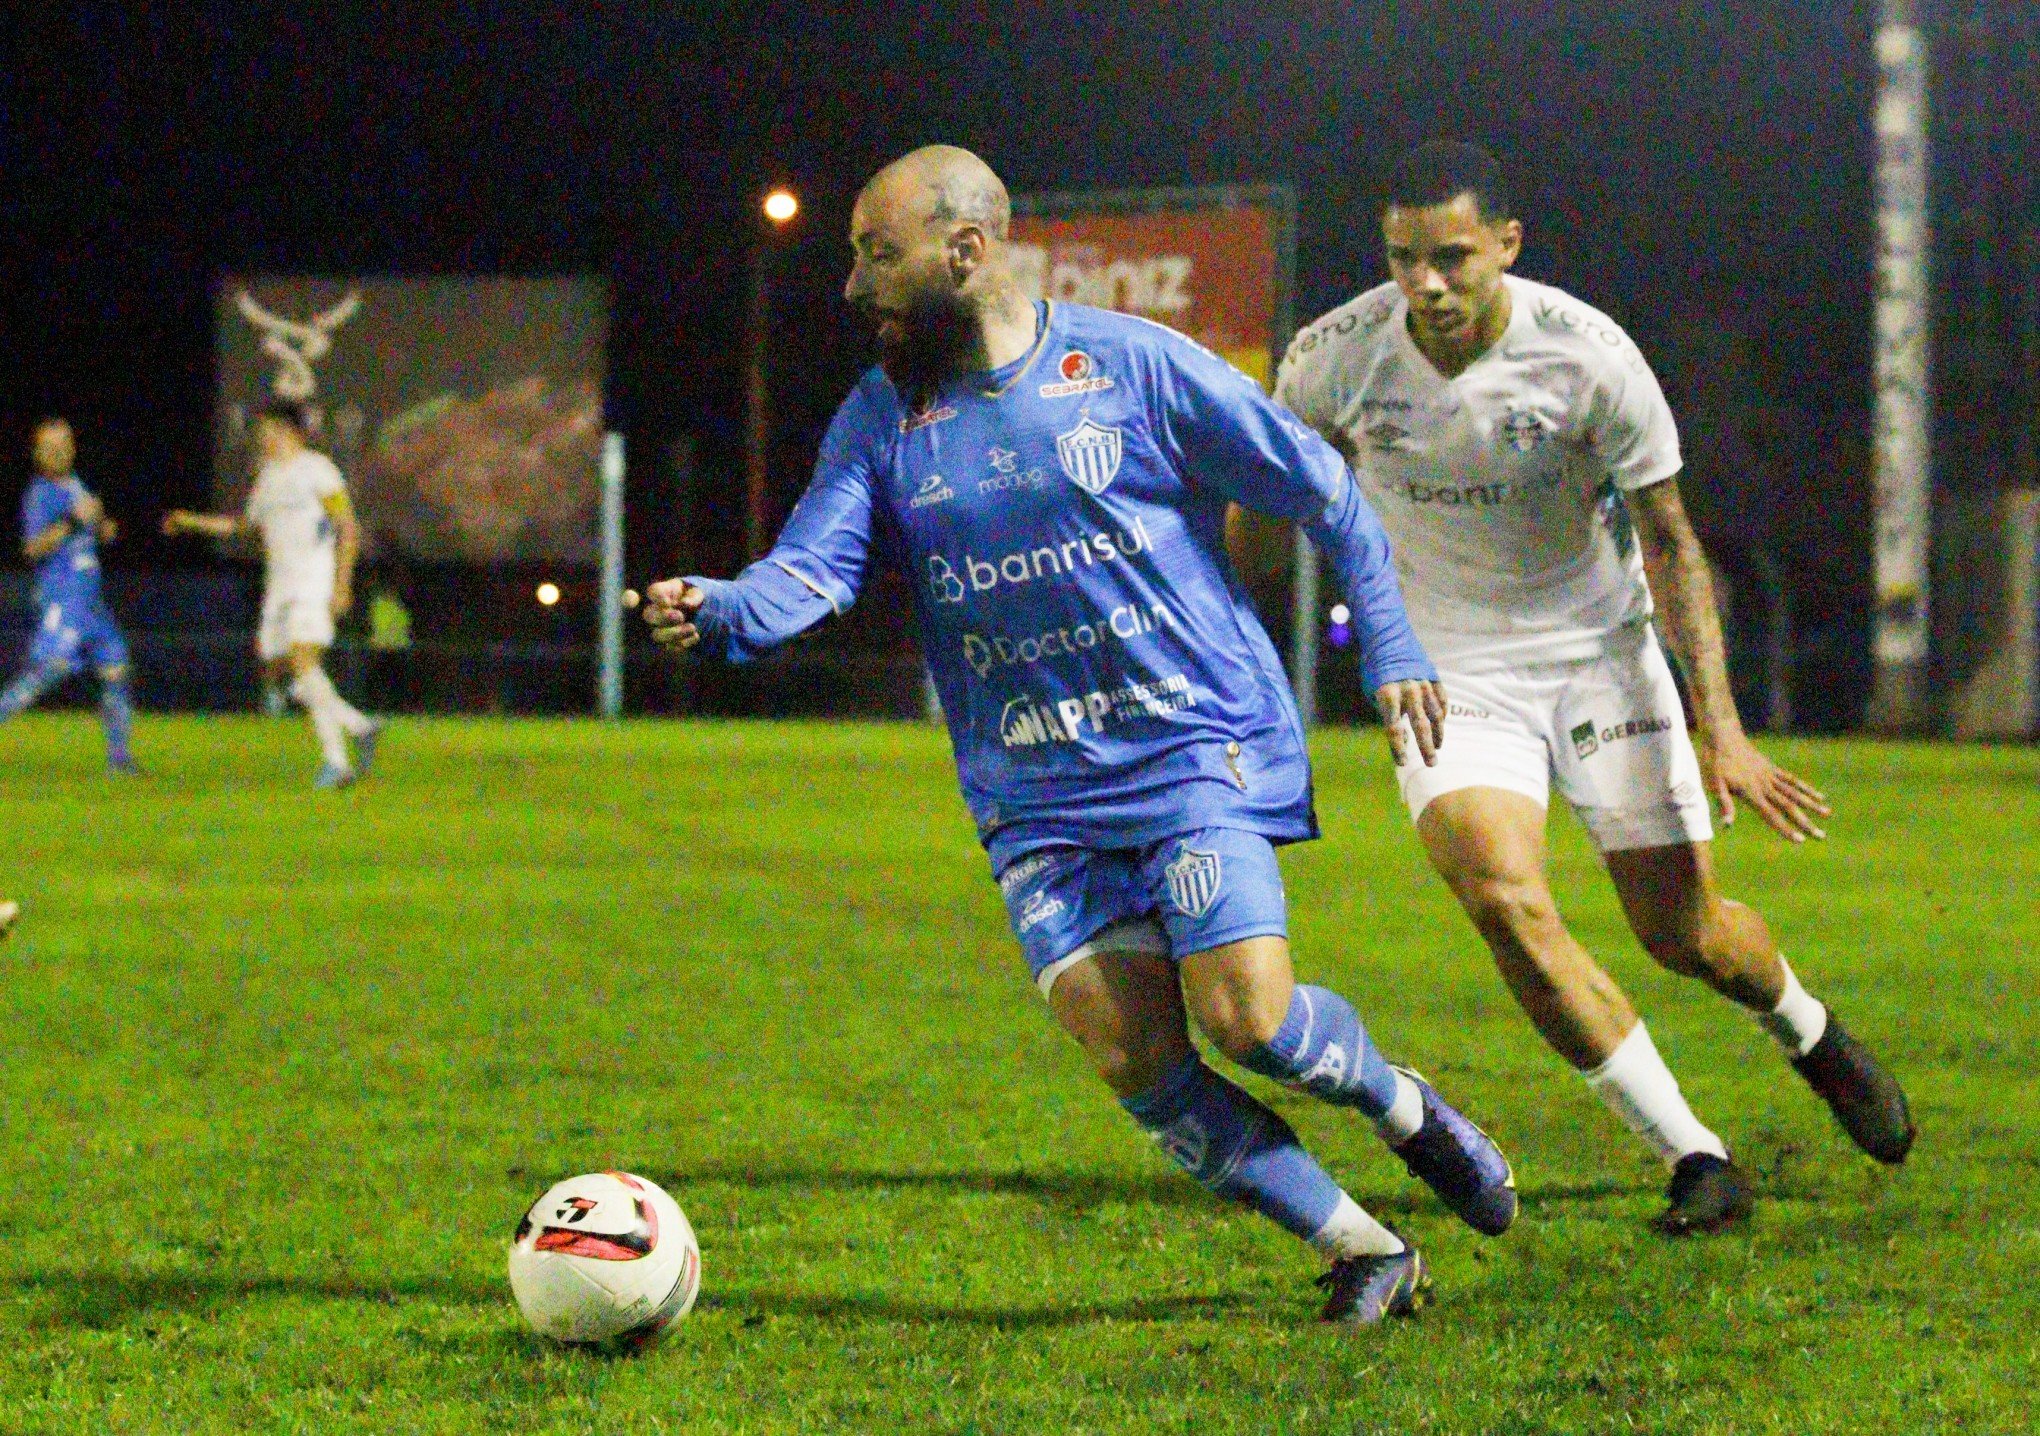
(604, 1258)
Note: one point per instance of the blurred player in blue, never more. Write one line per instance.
(62, 526)
(1054, 481)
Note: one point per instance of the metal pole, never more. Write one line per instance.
(757, 417)
(1901, 456)
(1304, 631)
(609, 687)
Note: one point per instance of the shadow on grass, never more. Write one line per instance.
(93, 1299)
(824, 1306)
(1076, 1193)
(1071, 1192)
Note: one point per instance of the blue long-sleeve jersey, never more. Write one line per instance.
(1062, 519)
(70, 574)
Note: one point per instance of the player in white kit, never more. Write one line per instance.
(1524, 462)
(310, 540)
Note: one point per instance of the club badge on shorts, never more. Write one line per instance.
(1194, 880)
(1090, 455)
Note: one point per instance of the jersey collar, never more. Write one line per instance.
(1026, 361)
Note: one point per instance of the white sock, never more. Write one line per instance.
(1798, 1020)
(1640, 1089)
(1404, 1115)
(1351, 1232)
(351, 719)
(315, 690)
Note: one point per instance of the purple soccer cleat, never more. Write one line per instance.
(1460, 1163)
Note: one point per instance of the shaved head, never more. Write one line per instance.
(929, 233)
(943, 184)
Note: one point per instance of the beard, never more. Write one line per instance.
(935, 337)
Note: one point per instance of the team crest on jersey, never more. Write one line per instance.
(1194, 880)
(1090, 455)
(1079, 376)
(1524, 430)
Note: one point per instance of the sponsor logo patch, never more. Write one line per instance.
(926, 417)
(1194, 880)
(1027, 723)
(1585, 741)
(1121, 625)
(932, 491)
(1386, 437)
(1090, 455)
(1029, 565)
(1480, 496)
(1328, 1073)
(1025, 870)
(1003, 461)
(1079, 376)
(1038, 909)
(1186, 1143)
(942, 580)
(1635, 728)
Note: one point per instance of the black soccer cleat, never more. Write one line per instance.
(1707, 1193)
(1363, 1290)
(1865, 1099)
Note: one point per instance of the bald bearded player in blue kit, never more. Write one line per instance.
(1054, 481)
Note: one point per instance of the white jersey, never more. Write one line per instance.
(288, 504)
(1499, 488)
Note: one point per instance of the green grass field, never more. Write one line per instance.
(282, 1069)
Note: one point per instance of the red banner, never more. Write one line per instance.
(1210, 268)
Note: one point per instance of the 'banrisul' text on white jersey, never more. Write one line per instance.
(1499, 488)
(288, 504)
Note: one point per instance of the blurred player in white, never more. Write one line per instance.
(310, 540)
(9, 911)
(1524, 462)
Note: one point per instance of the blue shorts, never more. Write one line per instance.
(82, 630)
(1184, 894)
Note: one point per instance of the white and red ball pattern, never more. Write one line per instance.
(605, 1257)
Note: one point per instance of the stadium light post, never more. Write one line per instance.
(609, 674)
(1901, 475)
(779, 208)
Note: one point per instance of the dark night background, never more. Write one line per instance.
(1701, 171)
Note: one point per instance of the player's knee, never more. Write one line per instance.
(1239, 1023)
(1130, 1065)
(1511, 912)
(1697, 943)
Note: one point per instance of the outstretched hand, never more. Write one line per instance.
(670, 606)
(1732, 768)
(1422, 702)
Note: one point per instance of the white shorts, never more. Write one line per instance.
(1609, 731)
(292, 617)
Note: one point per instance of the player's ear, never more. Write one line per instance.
(1510, 232)
(967, 248)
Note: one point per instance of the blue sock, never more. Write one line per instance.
(30, 684)
(1235, 1146)
(1322, 1048)
(117, 716)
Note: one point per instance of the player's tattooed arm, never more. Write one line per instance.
(1676, 566)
